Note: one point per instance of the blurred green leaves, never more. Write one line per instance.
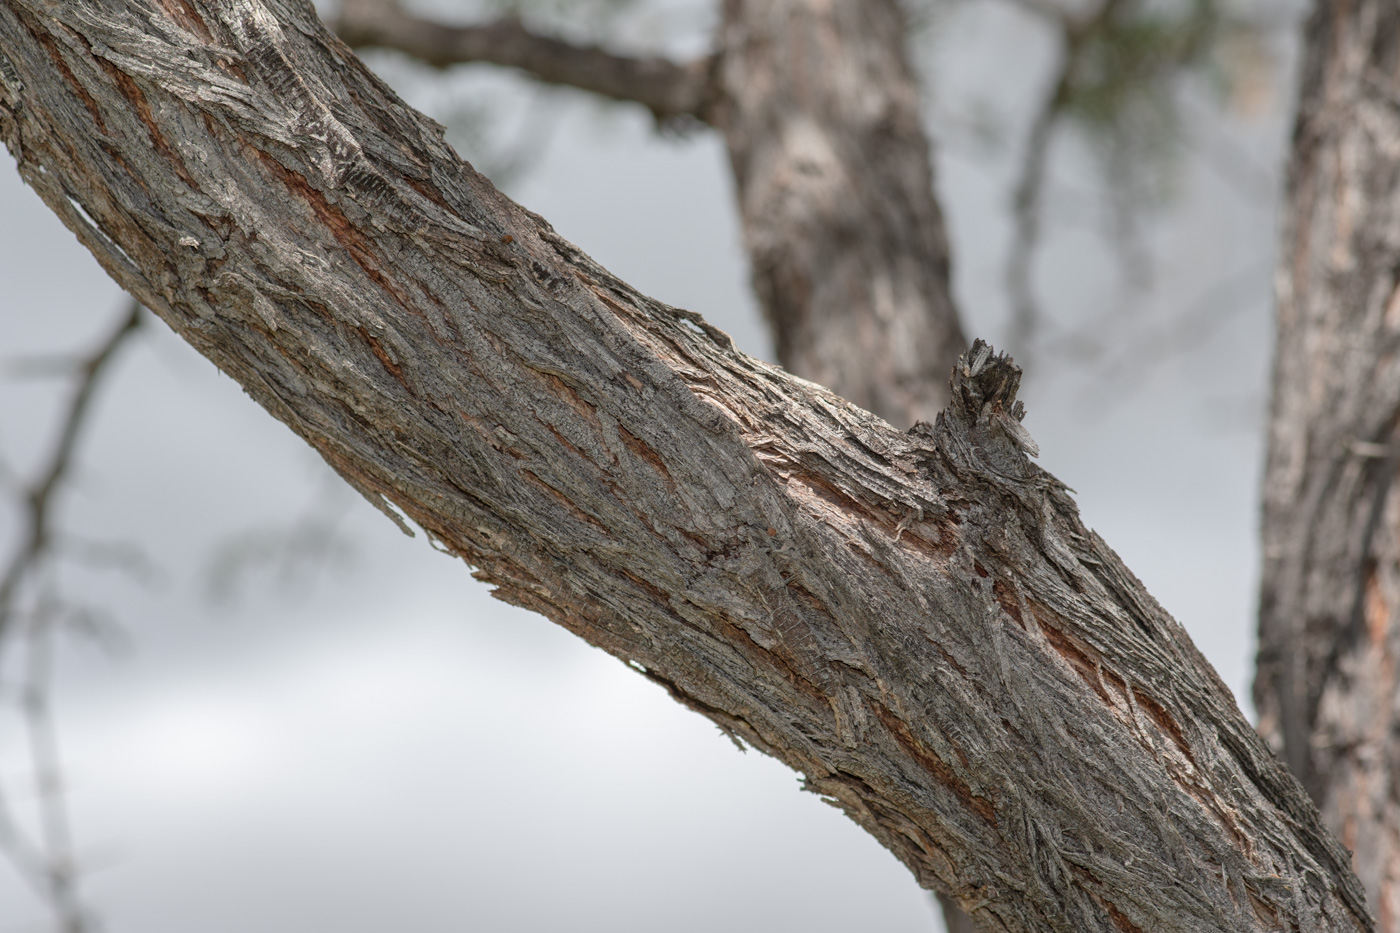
(1124, 71)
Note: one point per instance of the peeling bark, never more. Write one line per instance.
(917, 622)
(1329, 622)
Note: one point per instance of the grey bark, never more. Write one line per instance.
(917, 622)
(1329, 622)
(820, 112)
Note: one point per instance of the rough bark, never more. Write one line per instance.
(1329, 623)
(820, 112)
(918, 622)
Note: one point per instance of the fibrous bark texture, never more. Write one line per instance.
(820, 113)
(918, 622)
(1329, 623)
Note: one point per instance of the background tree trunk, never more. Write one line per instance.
(917, 622)
(820, 111)
(1329, 623)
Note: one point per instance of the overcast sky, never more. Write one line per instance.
(386, 747)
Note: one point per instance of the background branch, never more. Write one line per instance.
(48, 861)
(668, 89)
(1117, 82)
(39, 497)
(1075, 35)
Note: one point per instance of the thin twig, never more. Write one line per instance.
(1129, 368)
(60, 875)
(49, 864)
(1029, 191)
(295, 551)
(37, 537)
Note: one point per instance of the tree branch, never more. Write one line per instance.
(39, 497)
(833, 175)
(918, 622)
(58, 882)
(668, 89)
(1075, 33)
(49, 863)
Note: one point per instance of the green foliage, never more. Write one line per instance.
(1127, 59)
(1124, 75)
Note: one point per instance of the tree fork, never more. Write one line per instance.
(918, 622)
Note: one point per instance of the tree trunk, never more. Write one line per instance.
(918, 622)
(1329, 620)
(820, 111)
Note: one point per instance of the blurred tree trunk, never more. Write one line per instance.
(1329, 623)
(917, 622)
(820, 111)
(833, 174)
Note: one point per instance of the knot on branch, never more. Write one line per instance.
(983, 414)
(984, 383)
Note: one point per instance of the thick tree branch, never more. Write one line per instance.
(666, 88)
(846, 241)
(918, 622)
